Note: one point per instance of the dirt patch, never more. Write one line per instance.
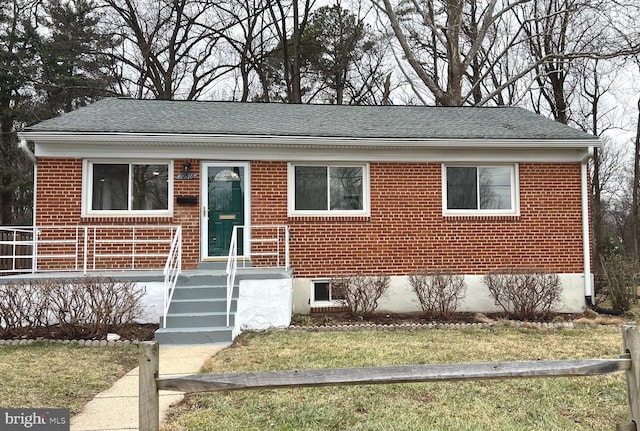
(343, 318)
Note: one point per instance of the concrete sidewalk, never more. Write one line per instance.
(117, 407)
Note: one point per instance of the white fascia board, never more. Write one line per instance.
(296, 141)
(305, 149)
(313, 154)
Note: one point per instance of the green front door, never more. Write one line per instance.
(225, 200)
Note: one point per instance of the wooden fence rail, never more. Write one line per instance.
(150, 383)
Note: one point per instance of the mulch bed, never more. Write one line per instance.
(131, 331)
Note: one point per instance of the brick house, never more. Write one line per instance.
(355, 190)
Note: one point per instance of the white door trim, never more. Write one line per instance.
(204, 210)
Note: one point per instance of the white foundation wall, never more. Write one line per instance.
(152, 302)
(401, 298)
(264, 304)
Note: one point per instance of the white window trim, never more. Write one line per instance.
(87, 190)
(330, 303)
(515, 191)
(291, 195)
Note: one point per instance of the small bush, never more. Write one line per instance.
(524, 293)
(24, 306)
(361, 293)
(618, 274)
(439, 292)
(84, 308)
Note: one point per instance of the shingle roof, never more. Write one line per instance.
(116, 115)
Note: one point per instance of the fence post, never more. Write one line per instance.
(631, 345)
(148, 398)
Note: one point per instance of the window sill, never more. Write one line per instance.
(126, 219)
(453, 218)
(329, 218)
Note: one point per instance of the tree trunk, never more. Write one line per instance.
(296, 91)
(636, 190)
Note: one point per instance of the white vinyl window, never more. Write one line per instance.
(322, 294)
(328, 189)
(138, 188)
(483, 189)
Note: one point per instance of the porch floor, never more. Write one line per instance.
(131, 275)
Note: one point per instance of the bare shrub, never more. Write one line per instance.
(525, 293)
(79, 308)
(618, 274)
(439, 292)
(361, 293)
(93, 306)
(23, 307)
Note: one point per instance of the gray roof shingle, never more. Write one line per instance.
(118, 115)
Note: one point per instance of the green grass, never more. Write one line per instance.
(60, 376)
(584, 403)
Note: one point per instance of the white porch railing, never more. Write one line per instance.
(268, 243)
(172, 270)
(16, 249)
(84, 248)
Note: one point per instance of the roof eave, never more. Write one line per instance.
(294, 141)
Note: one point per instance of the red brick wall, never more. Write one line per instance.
(407, 231)
(58, 200)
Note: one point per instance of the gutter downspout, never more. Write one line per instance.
(586, 244)
(27, 151)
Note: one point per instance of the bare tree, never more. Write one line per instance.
(448, 44)
(289, 48)
(472, 51)
(171, 48)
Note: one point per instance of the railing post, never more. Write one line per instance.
(86, 250)
(148, 398)
(631, 345)
(287, 235)
(34, 250)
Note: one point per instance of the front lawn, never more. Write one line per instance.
(584, 403)
(55, 375)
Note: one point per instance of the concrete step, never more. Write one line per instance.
(203, 292)
(194, 320)
(197, 335)
(203, 279)
(201, 305)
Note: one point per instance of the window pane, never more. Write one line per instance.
(321, 291)
(462, 188)
(495, 188)
(311, 188)
(346, 188)
(150, 187)
(110, 187)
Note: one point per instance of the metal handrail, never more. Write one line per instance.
(172, 270)
(232, 268)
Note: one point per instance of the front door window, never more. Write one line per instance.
(225, 200)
